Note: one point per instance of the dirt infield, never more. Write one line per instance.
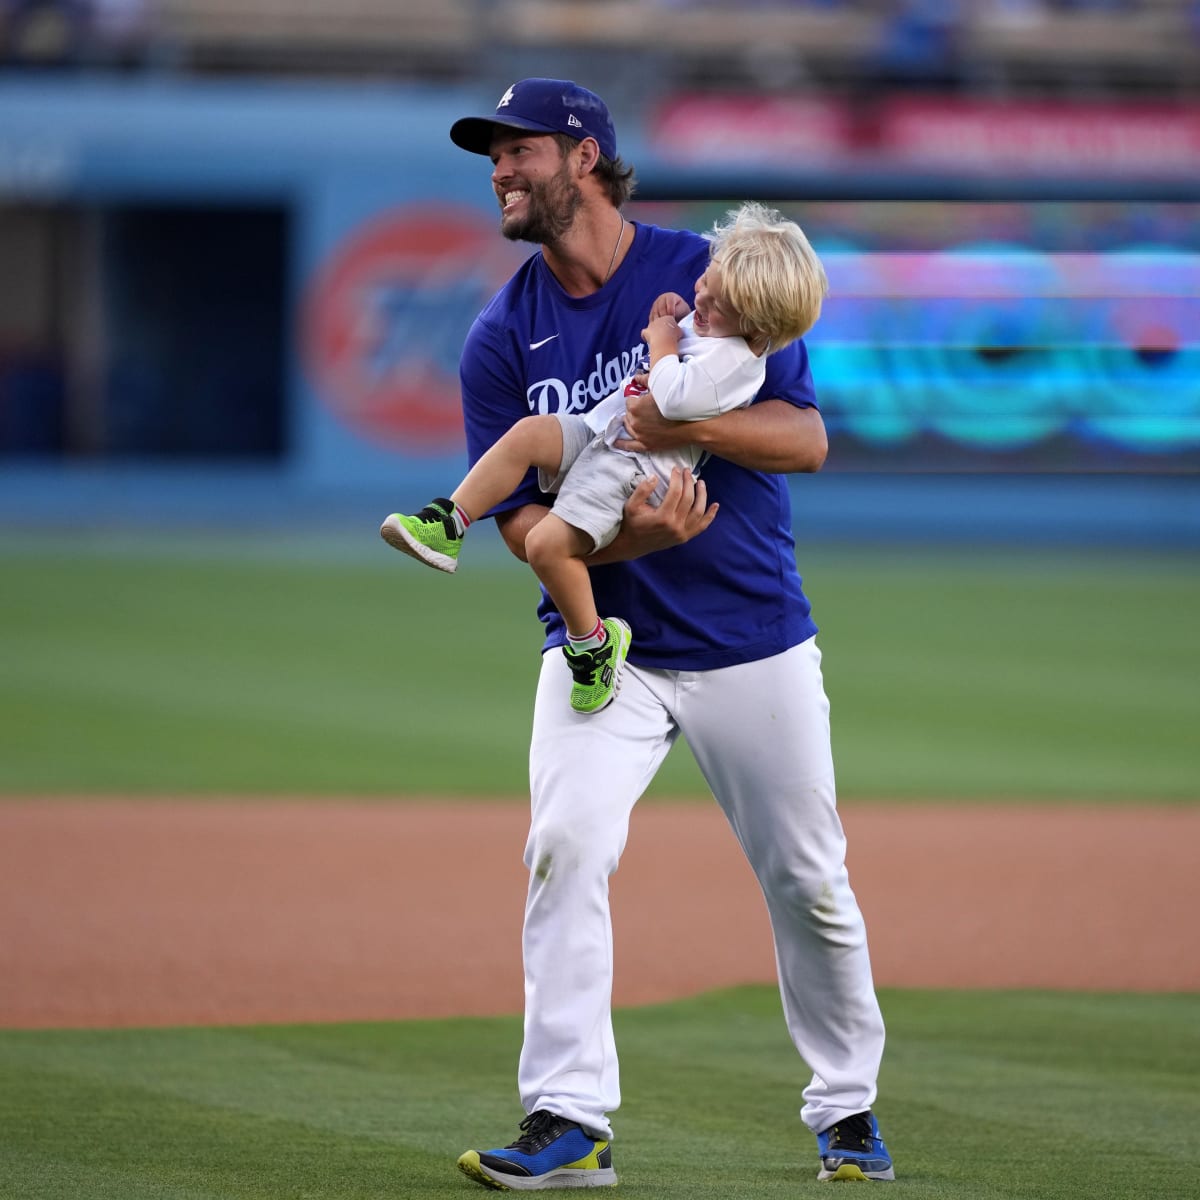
(127, 913)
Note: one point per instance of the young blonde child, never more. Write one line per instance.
(763, 288)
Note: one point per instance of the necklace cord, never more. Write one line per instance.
(612, 261)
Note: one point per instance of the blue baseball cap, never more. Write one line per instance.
(542, 106)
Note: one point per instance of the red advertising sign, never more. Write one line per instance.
(1100, 139)
(931, 132)
(716, 130)
(385, 316)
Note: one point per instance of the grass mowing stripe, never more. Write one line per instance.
(137, 1142)
(984, 1094)
(951, 675)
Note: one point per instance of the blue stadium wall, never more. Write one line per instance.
(392, 249)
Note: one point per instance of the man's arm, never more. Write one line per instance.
(514, 526)
(684, 513)
(772, 436)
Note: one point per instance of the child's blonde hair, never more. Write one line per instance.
(770, 274)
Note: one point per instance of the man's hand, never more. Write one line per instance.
(648, 429)
(683, 514)
(771, 435)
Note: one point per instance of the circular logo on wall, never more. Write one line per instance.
(385, 316)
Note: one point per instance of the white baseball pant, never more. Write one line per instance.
(760, 734)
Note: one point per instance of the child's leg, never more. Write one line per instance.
(556, 552)
(596, 649)
(531, 442)
(435, 534)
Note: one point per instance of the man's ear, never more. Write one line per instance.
(588, 156)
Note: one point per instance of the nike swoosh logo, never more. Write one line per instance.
(539, 345)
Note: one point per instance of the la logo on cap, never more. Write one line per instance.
(505, 99)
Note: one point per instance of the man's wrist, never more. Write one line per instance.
(700, 433)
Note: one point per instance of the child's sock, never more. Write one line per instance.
(460, 518)
(589, 641)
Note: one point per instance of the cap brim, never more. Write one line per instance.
(476, 133)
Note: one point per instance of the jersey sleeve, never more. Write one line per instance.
(493, 400)
(789, 377)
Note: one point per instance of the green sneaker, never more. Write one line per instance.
(598, 672)
(430, 536)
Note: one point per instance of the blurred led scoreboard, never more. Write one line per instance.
(1030, 336)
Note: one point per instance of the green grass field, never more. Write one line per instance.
(236, 666)
(986, 1095)
(245, 666)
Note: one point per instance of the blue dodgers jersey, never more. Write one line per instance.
(731, 595)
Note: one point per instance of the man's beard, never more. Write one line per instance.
(549, 211)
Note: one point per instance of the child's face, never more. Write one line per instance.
(713, 317)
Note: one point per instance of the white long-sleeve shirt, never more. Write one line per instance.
(712, 375)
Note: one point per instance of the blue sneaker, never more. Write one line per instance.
(852, 1150)
(551, 1152)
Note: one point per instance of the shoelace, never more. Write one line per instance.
(538, 1129)
(854, 1133)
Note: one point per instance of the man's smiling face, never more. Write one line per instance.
(533, 183)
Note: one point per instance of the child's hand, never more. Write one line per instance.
(663, 333)
(670, 304)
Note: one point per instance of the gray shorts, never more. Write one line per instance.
(593, 481)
